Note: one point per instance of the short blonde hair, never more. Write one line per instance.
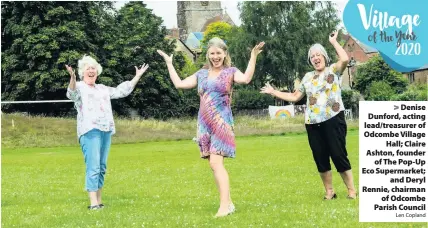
(219, 43)
(88, 61)
(320, 48)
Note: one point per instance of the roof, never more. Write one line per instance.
(367, 49)
(223, 17)
(194, 40)
(169, 37)
(198, 35)
(424, 67)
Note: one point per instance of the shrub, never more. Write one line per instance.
(380, 91)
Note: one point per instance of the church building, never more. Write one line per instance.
(193, 18)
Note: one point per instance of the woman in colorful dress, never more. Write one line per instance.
(216, 137)
(324, 116)
(95, 124)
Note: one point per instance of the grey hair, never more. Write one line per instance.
(320, 48)
(88, 61)
(219, 43)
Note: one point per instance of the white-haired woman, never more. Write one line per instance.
(215, 137)
(95, 124)
(324, 117)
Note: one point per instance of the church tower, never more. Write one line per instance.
(192, 15)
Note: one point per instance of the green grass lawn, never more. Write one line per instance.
(19, 131)
(274, 183)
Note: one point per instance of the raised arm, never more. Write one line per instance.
(72, 73)
(291, 97)
(72, 93)
(245, 78)
(138, 73)
(341, 64)
(126, 88)
(187, 83)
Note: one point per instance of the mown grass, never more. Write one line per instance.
(20, 131)
(274, 183)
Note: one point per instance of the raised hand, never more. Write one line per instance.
(141, 70)
(267, 89)
(333, 36)
(71, 71)
(257, 49)
(168, 59)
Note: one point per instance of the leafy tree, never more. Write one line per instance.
(288, 28)
(218, 29)
(247, 98)
(351, 99)
(38, 39)
(137, 34)
(189, 99)
(380, 91)
(374, 70)
(414, 92)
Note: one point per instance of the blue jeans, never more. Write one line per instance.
(95, 147)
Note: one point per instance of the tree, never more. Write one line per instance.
(351, 99)
(38, 39)
(414, 92)
(380, 91)
(218, 29)
(188, 104)
(374, 70)
(289, 29)
(137, 35)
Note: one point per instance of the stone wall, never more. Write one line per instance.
(191, 16)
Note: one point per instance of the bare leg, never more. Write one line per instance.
(222, 181)
(93, 198)
(349, 182)
(99, 196)
(327, 180)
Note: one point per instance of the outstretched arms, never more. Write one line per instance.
(139, 73)
(245, 78)
(187, 83)
(291, 97)
(126, 88)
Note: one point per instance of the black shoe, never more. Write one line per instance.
(101, 205)
(331, 198)
(96, 207)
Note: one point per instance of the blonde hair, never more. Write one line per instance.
(219, 43)
(320, 48)
(88, 61)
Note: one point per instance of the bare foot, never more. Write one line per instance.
(225, 212)
(352, 194)
(330, 196)
(222, 211)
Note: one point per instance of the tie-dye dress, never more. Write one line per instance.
(215, 122)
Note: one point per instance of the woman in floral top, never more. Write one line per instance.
(324, 116)
(95, 123)
(215, 135)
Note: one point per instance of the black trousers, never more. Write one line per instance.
(328, 139)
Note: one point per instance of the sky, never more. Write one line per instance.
(168, 10)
